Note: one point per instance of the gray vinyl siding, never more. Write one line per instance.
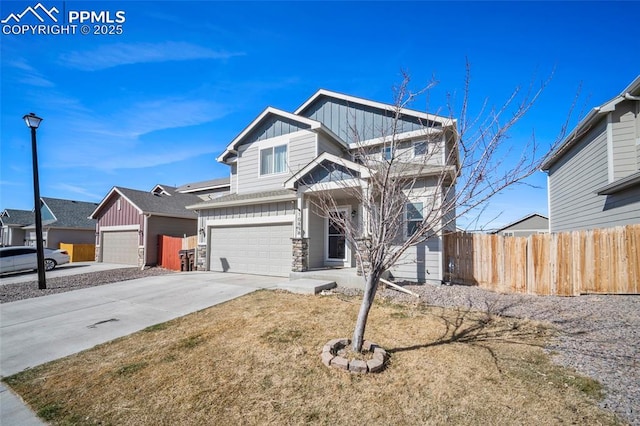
(316, 234)
(327, 145)
(233, 179)
(173, 227)
(272, 127)
(624, 125)
(300, 151)
(420, 263)
(354, 122)
(249, 211)
(573, 182)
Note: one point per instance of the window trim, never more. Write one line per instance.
(272, 148)
(407, 220)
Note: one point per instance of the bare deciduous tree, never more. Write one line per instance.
(410, 192)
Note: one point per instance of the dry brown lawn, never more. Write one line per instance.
(256, 360)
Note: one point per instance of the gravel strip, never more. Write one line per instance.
(27, 290)
(599, 335)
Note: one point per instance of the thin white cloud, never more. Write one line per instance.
(126, 139)
(29, 75)
(74, 189)
(113, 55)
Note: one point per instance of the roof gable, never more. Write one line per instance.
(17, 217)
(597, 113)
(162, 200)
(68, 213)
(271, 122)
(325, 168)
(356, 119)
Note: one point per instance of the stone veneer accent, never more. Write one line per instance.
(201, 256)
(300, 261)
(140, 257)
(362, 248)
(331, 359)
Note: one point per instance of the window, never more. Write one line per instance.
(419, 148)
(273, 160)
(387, 153)
(414, 217)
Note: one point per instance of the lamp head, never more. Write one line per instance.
(32, 120)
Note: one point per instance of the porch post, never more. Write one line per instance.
(300, 245)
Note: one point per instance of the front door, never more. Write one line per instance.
(336, 247)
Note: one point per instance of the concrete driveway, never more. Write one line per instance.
(42, 329)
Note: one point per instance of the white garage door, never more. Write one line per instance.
(260, 249)
(120, 247)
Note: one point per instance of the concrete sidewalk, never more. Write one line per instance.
(42, 329)
(60, 271)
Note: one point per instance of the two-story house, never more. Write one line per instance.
(594, 175)
(281, 161)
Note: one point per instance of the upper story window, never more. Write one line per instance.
(273, 160)
(387, 153)
(420, 148)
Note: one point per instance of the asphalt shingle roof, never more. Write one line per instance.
(162, 204)
(204, 184)
(70, 213)
(17, 217)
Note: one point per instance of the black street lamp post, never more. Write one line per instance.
(33, 122)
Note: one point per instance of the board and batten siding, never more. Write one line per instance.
(624, 123)
(127, 214)
(342, 118)
(573, 182)
(274, 126)
(301, 149)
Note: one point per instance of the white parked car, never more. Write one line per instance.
(23, 258)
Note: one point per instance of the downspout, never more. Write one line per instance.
(630, 97)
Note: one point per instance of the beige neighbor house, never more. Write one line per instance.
(63, 221)
(282, 160)
(12, 223)
(594, 175)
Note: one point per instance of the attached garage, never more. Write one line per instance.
(252, 249)
(120, 247)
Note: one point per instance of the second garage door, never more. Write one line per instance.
(120, 247)
(260, 249)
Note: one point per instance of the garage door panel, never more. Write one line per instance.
(120, 247)
(258, 249)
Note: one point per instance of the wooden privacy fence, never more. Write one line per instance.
(603, 261)
(169, 250)
(80, 252)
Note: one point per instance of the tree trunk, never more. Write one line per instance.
(367, 301)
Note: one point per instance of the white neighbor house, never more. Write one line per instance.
(281, 160)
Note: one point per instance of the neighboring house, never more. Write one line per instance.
(129, 222)
(531, 224)
(280, 161)
(13, 221)
(208, 189)
(594, 175)
(63, 221)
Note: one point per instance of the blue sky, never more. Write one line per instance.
(158, 103)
